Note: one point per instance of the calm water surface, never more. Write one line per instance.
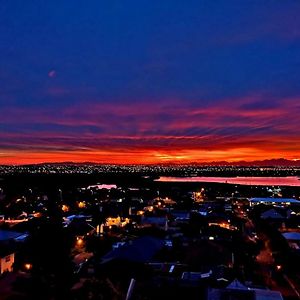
(287, 181)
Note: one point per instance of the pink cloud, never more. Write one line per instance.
(166, 126)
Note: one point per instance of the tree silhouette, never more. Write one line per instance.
(50, 246)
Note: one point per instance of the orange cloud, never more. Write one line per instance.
(169, 131)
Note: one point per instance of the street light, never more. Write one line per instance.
(28, 266)
(278, 267)
(79, 241)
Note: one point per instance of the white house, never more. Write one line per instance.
(6, 262)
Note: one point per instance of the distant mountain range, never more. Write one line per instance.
(258, 163)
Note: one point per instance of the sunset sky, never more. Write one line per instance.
(149, 81)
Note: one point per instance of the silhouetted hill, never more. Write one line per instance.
(259, 163)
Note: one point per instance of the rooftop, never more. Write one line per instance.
(6, 235)
(276, 200)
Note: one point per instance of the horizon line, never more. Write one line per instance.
(241, 163)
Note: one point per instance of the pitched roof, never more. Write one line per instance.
(276, 200)
(139, 250)
(237, 285)
(6, 235)
(271, 213)
(292, 236)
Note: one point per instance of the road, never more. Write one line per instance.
(267, 266)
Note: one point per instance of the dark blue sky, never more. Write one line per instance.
(147, 81)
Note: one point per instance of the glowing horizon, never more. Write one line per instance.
(138, 157)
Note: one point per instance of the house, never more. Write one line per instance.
(272, 214)
(7, 236)
(71, 218)
(117, 221)
(7, 259)
(273, 201)
(7, 249)
(154, 221)
(236, 291)
(180, 215)
(293, 239)
(195, 276)
(141, 250)
(164, 202)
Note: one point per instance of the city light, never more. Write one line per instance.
(79, 241)
(65, 208)
(28, 266)
(81, 204)
(278, 267)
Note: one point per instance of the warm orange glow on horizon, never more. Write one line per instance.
(169, 131)
(145, 156)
